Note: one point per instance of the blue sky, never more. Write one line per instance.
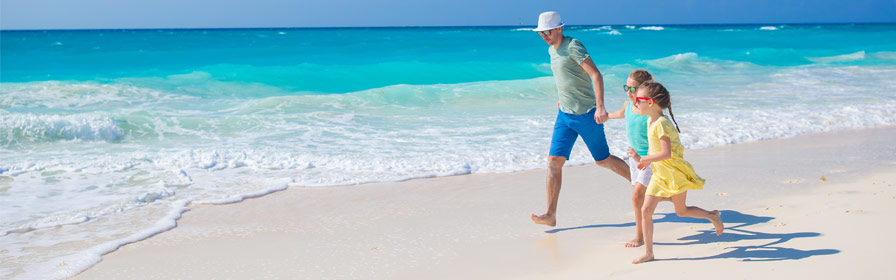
(91, 14)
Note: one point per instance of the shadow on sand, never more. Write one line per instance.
(735, 224)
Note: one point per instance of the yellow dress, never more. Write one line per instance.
(674, 175)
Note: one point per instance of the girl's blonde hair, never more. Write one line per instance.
(640, 76)
(660, 95)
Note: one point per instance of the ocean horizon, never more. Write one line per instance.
(460, 26)
(107, 135)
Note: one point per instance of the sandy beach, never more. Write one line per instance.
(812, 207)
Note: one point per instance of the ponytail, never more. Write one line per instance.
(673, 119)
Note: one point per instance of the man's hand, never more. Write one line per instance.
(600, 115)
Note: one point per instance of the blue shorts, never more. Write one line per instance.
(568, 127)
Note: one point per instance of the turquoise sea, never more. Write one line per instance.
(107, 136)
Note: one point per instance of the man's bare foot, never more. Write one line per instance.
(716, 218)
(545, 219)
(645, 258)
(637, 242)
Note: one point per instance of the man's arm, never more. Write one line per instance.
(600, 114)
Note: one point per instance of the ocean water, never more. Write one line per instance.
(107, 136)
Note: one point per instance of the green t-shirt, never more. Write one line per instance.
(573, 84)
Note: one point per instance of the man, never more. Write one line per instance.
(580, 87)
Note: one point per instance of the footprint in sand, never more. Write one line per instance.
(855, 211)
(721, 194)
(793, 181)
(780, 225)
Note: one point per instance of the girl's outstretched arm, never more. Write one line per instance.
(665, 153)
(618, 114)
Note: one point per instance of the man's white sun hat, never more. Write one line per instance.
(548, 21)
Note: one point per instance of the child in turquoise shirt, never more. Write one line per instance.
(636, 129)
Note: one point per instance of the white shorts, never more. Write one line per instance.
(639, 176)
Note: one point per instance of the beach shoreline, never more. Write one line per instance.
(806, 202)
(98, 156)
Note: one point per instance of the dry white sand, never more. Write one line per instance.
(782, 220)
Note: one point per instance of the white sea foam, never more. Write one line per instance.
(859, 55)
(605, 29)
(856, 56)
(28, 127)
(602, 28)
(229, 151)
(656, 28)
(693, 63)
(73, 262)
(275, 185)
(77, 207)
(883, 55)
(79, 95)
(70, 265)
(703, 129)
(768, 28)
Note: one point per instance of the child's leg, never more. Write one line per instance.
(696, 212)
(638, 191)
(647, 209)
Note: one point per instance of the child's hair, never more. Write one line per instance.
(658, 93)
(641, 76)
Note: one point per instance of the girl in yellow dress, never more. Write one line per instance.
(672, 176)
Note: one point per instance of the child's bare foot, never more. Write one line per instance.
(716, 218)
(545, 219)
(637, 242)
(645, 258)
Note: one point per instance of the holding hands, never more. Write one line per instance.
(600, 115)
(634, 155)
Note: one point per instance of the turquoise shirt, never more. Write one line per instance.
(636, 129)
(574, 86)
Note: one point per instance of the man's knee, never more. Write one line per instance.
(604, 163)
(555, 163)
